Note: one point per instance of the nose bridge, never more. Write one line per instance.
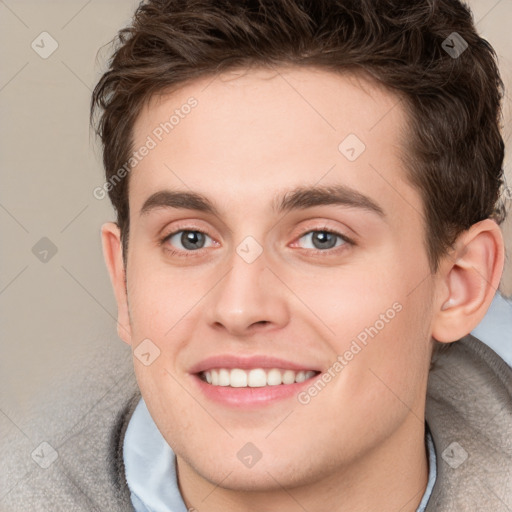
(248, 293)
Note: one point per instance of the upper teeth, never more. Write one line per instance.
(255, 378)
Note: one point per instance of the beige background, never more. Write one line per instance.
(58, 317)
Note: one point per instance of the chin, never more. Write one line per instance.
(270, 473)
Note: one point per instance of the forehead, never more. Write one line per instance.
(252, 132)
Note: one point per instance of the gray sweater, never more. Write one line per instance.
(469, 412)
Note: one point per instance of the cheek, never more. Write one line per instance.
(161, 297)
(349, 300)
(379, 328)
(390, 374)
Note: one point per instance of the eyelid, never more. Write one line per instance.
(183, 225)
(180, 228)
(347, 242)
(304, 231)
(323, 226)
(323, 230)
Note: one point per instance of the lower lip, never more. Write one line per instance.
(251, 397)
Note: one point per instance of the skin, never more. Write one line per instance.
(359, 444)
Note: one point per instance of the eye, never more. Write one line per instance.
(185, 242)
(324, 239)
(190, 240)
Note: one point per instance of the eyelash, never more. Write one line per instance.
(325, 252)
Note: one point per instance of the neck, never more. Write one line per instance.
(393, 476)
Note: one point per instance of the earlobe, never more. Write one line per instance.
(469, 277)
(113, 255)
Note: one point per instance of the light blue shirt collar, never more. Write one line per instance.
(150, 466)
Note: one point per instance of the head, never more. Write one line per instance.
(294, 119)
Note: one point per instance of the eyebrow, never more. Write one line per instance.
(299, 198)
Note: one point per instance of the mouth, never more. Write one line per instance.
(255, 377)
(250, 381)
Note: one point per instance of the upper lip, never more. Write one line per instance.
(248, 363)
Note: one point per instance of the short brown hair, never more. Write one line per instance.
(455, 151)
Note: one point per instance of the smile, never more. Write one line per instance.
(244, 381)
(255, 378)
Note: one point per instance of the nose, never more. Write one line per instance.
(248, 298)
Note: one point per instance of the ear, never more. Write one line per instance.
(468, 279)
(113, 254)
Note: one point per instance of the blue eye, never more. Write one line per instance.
(323, 240)
(191, 240)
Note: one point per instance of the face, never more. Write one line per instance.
(277, 267)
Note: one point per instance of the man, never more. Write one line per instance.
(307, 198)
